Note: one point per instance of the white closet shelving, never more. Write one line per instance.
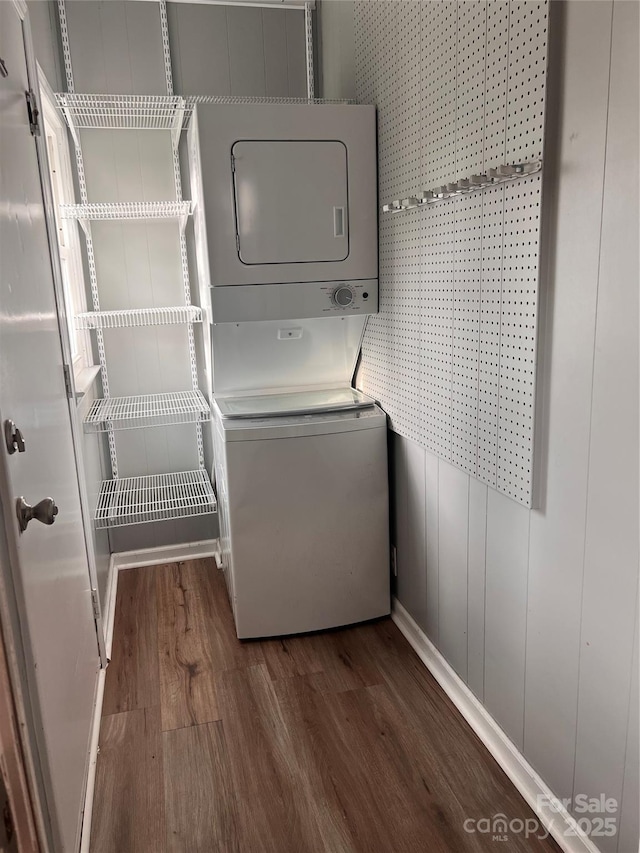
(125, 211)
(152, 112)
(126, 318)
(136, 500)
(155, 497)
(139, 112)
(181, 407)
(139, 500)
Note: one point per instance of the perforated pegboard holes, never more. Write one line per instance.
(466, 330)
(470, 88)
(489, 332)
(460, 88)
(528, 32)
(518, 338)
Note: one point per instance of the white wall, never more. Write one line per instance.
(229, 50)
(46, 42)
(536, 609)
(335, 37)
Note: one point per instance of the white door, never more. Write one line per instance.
(291, 201)
(49, 563)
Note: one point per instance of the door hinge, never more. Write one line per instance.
(33, 112)
(68, 384)
(233, 163)
(96, 604)
(237, 243)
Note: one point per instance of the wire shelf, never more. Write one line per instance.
(179, 407)
(140, 500)
(125, 112)
(152, 112)
(194, 100)
(126, 210)
(170, 316)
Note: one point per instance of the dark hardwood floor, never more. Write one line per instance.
(329, 743)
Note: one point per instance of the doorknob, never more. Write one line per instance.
(44, 511)
(13, 437)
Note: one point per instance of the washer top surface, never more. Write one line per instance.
(289, 425)
(305, 402)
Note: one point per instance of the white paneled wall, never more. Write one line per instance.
(460, 89)
(116, 47)
(557, 551)
(230, 50)
(44, 29)
(335, 37)
(536, 609)
(609, 592)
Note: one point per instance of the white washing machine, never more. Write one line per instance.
(303, 507)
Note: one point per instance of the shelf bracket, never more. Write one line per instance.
(68, 115)
(178, 122)
(86, 227)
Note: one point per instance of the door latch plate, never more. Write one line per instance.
(34, 113)
(13, 438)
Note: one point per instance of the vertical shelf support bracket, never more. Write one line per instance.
(164, 26)
(308, 31)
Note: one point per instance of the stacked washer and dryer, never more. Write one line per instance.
(285, 217)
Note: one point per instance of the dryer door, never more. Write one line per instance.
(291, 201)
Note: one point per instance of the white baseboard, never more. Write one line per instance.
(109, 611)
(85, 837)
(165, 554)
(556, 820)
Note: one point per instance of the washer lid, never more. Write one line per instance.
(305, 402)
(298, 426)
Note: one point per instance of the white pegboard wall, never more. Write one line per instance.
(460, 88)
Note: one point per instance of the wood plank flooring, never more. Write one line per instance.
(339, 742)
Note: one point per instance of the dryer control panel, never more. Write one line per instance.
(293, 301)
(351, 296)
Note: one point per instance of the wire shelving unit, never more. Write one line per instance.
(83, 111)
(154, 497)
(139, 500)
(180, 407)
(143, 211)
(126, 318)
(122, 112)
(193, 100)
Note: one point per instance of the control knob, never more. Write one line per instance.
(342, 296)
